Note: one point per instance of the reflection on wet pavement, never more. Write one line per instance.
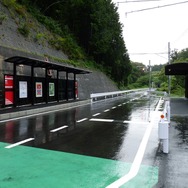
(38, 127)
(182, 127)
(63, 131)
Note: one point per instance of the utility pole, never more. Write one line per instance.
(169, 77)
(149, 76)
(149, 91)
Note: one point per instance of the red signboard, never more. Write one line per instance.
(8, 82)
(9, 93)
(9, 96)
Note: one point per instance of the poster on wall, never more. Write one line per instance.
(22, 89)
(38, 87)
(51, 89)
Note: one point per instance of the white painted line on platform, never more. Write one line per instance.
(120, 121)
(138, 158)
(40, 113)
(19, 143)
(81, 120)
(96, 114)
(107, 110)
(102, 120)
(136, 122)
(58, 129)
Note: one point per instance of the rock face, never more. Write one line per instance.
(13, 43)
(12, 38)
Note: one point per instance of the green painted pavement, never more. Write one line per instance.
(27, 167)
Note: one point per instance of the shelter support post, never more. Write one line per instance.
(32, 86)
(46, 92)
(67, 82)
(186, 86)
(74, 89)
(14, 85)
(57, 87)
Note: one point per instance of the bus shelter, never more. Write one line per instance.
(40, 82)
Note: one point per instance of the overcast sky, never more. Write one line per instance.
(150, 31)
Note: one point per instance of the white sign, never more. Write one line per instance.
(22, 89)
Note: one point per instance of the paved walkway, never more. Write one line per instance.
(173, 167)
(8, 113)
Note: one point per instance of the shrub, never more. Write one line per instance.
(24, 29)
(9, 3)
(2, 17)
(40, 37)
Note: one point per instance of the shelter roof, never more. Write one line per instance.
(19, 60)
(176, 69)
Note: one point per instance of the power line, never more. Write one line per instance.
(142, 53)
(150, 8)
(137, 1)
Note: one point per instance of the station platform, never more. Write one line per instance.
(173, 167)
(20, 111)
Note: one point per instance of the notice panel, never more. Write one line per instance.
(51, 89)
(38, 87)
(22, 89)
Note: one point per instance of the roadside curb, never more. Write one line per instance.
(36, 110)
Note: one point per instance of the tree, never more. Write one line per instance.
(96, 27)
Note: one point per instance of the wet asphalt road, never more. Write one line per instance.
(99, 130)
(79, 130)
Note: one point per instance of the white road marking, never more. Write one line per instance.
(120, 105)
(138, 158)
(41, 113)
(113, 120)
(96, 114)
(58, 129)
(136, 122)
(81, 120)
(19, 143)
(102, 120)
(114, 107)
(107, 110)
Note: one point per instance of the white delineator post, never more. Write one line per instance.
(168, 111)
(163, 131)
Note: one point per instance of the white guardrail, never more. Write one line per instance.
(101, 96)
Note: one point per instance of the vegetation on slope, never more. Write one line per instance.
(90, 33)
(87, 31)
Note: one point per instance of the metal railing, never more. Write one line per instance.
(106, 95)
